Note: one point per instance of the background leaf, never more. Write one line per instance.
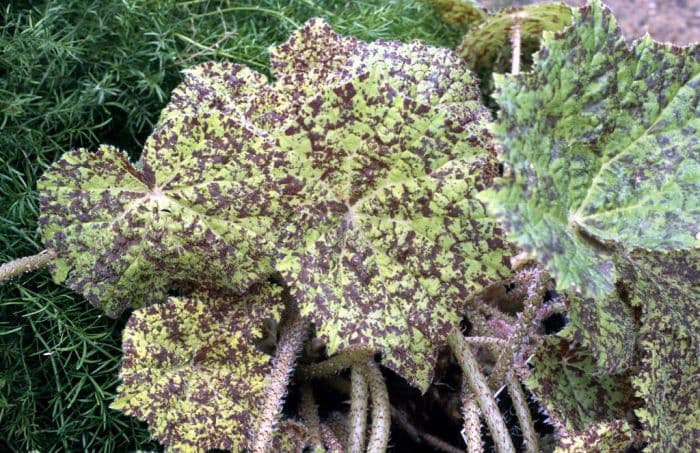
(483, 45)
(565, 380)
(602, 140)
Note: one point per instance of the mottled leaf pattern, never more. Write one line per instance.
(603, 437)
(565, 380)
(604, 149)
(606, 327)
(391, 240)
(196, 210)
(192, 371)
(220, 86)
(667, 289)
(482, 46)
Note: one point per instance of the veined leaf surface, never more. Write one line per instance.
(566, 381)
(192, 371)
(604, 148)
(195, 211)
(390, 240)
(602, 437)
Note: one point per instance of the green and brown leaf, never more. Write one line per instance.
(567, 384)
(667, 289)
(192, 371)
(390, 240)
(604, 148)
(197, 211)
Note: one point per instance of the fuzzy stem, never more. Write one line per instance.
(335, 364)
(472, 420)
(330, 440)
(26, 264)
(536, 286)
(291, 340)
(358, 411)
(527, 427)
(309, 412)
(381, 410)
(486, 341)
(515, 61)
(338, 423)
(479, 387)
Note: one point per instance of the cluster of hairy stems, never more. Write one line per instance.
(503, 333)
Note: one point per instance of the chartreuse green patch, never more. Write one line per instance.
(192, 371)
(390, 240)
(602, 140)
(565, 380)
(194, 212)
(615, 435)
(667, 289)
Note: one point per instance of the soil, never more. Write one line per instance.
(676, 21)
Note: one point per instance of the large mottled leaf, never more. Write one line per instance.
(390, 239)
(484, 45)
(565, 380)
(603, 144)
(191, 369)
(667, 289)
(603, 437)
(196, 210)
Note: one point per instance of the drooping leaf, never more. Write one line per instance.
(485, 46)
(667, 289)
(390, 239)
(604, 148)
(192, 371)
(565, 380)
(603, 437)
(195, 211)
(460, 12)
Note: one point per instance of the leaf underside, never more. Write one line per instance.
(604, 148)
(192, 371)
